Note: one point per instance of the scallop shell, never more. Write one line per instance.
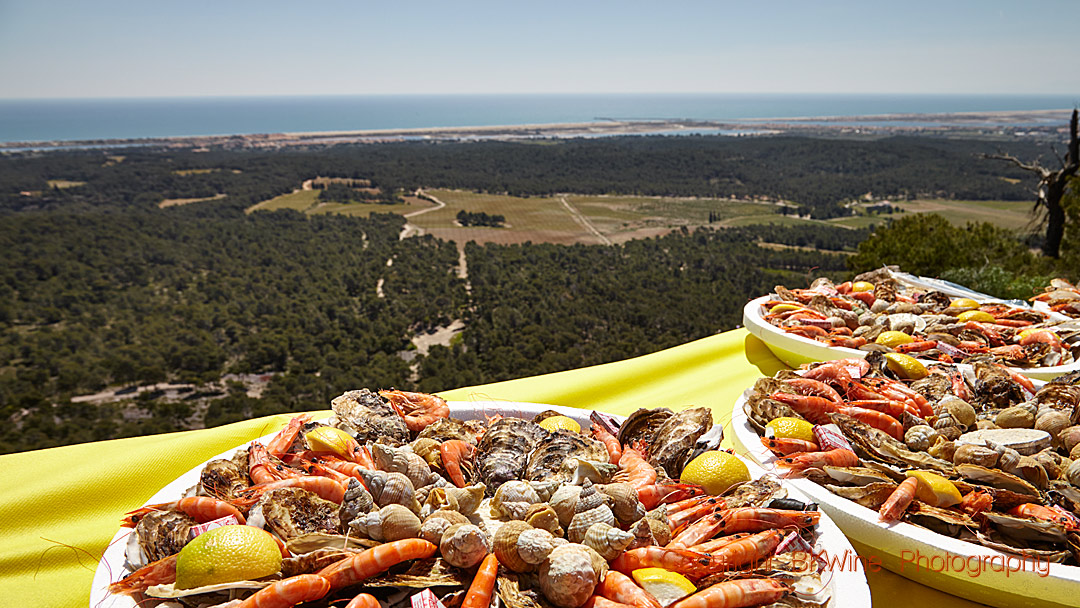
(390, 489)
(463, 500)
(513, 499)
(608, 541)
(533, 546)
(564, 501)
(625, 504)
(406, 462)
(569, 575)
(463, 545)
(975, 454)
(584, 520)
(542, 516)
(505, 545)
(390, 523)
(920, 437)
(435, 524)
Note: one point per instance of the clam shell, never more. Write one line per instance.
(625, 504)
(390, 523)
(436, 524)
(1072, 473)
(564, 501)
(505, 545)
(608, 541)
(463, 545)
(582, 521)
(568, 576)
(543, 516)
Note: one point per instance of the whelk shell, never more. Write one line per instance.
(463, 545)
(436, 524)
(608, 541)
(542, 516)
(584, 520)
(625, 504)
(570, 574)
(564, 501)
(535, 545)
(463, 500)
(505, 545)
(390, 488)
(513, 499)
(390, 523)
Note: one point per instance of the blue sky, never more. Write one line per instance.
(74, 48)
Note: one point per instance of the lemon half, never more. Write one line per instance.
(862, 286)
(906, 366)
(329, 439)
(963, 303)
(225, 555)
(715, 471)
(787, 427)
(975, 315)
(555, 423)
(935, 490)
(892, 338)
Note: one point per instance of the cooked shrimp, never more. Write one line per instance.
(418, 409)
(326, 488)
(161, 572)
(483, 584)
(787, 445)
(754, 519)
(344, 467)
(281, 442)
(363, 600)
(876, 419)
(977, 502)
(375, 560)
(813, 388)
(635, 470)
(893, 408)
(264, 468)
(311, 467)
(456, 452)
(838, 457)
(599, 601)
(894, 506)
(1045, 513)
(676, 560)
(746, 550)
(621, 588)
(200, 508)
(710, 546)
(610, 442)
(736, 594)
(679, 520)
(288, 592)
(814, 409)
(670, 491)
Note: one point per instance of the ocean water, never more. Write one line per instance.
(91, 119)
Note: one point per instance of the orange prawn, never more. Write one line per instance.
(676, 560)
(610, 442)
(161, 572)
(312, 467)
(839, 457)
(736, 594)
(418, 409)
(876, 419)
(897, 502)
(711, 546)
(635, 470)
(747, 550)
(1046, 514)
(895, 409)
(813, 388)
(454, 453)
(326, 488)
(599, 601)
(200, 508)
(787, 445)
(977, 502)
(479, 593)
(621, 588)
(680, 520)
(281, 442)
(378, 559)
(288, 592)
(814, 409)
(263, 467)
(363, 600)
(660, 493)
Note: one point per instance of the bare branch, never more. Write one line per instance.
(1033, 167)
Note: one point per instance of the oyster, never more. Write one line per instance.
(642, 425)
(943, 521)
(871, 495)
(1021, 528)
(311, 562)
(224, 479)
(670, 447)
(554, 456)
(445, 429)
(857, 476)
(996, 478)
(504, 450)
(368, 417)
(158, 535)
(292, 512)
(994, 387)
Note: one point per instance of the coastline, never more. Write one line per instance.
(1027, 123)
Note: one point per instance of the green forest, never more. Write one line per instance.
(102, 290)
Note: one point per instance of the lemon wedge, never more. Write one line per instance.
(892, 339)
(783, 308)
(975, 315)
(905, 366)
(862, 286)
(935, 490)
(555, 423)
(225, 555)
(666, 586)
(963, 303)
(787, 427)
(715, 471)
(329, 439)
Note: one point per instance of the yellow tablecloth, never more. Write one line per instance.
(60, 507)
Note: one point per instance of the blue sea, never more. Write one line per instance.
(94, 119)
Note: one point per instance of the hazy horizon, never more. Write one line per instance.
(128, 50)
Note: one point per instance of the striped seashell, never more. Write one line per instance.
(643, 536)
(544, 489)
(584, 520)
(390, 489)
(357, 501)
(564, 501)
(390, 523)
(624, 502)
(661, 531)
(404, 461)
(513, 499)
(590, 498)
(595, 472)
(464, 545)
(463, 500)
(608, 541)
(436, 524)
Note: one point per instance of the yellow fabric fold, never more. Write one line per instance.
(60, 507)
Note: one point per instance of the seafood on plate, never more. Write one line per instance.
(979, 453)
(1062, 297)
(879, 312)
(369, 510)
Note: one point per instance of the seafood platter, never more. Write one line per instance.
(879, 312)
(1061, 297)
(403, 499)
(963, 478)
